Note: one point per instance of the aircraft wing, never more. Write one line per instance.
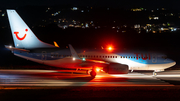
(86, 62)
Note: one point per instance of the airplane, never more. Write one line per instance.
(29, 47)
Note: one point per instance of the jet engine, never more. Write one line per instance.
(115, 68)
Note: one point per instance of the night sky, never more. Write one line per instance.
(149, 4)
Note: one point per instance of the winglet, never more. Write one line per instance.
(73, 52)
(55, 44)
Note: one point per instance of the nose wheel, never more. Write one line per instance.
(154, 74)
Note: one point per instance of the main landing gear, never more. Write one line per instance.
(93, 73)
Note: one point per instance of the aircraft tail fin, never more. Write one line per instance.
(22, 35)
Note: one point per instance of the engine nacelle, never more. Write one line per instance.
(115, 68)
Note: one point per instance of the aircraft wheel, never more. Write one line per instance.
(154, 74)
(88, 72)
(93, 73)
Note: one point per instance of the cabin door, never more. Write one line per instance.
(154, 58)
(44, 55)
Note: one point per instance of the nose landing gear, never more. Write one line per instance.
(154, 73)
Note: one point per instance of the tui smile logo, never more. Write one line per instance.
(20, 38)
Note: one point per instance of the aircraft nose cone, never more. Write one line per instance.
(173, 63)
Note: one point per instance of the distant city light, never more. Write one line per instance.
(137, 9)
(74, 8)
(156, 18)
(137, 26)
(87, 25)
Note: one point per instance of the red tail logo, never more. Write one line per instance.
(16, 33)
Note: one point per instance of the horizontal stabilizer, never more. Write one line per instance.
(13, 48)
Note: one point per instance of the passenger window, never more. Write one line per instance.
(110, 56)
(105, 56)
(115, 56)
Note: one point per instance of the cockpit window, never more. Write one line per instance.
(164, 57)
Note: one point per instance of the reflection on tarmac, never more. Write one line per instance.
(50, 78)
